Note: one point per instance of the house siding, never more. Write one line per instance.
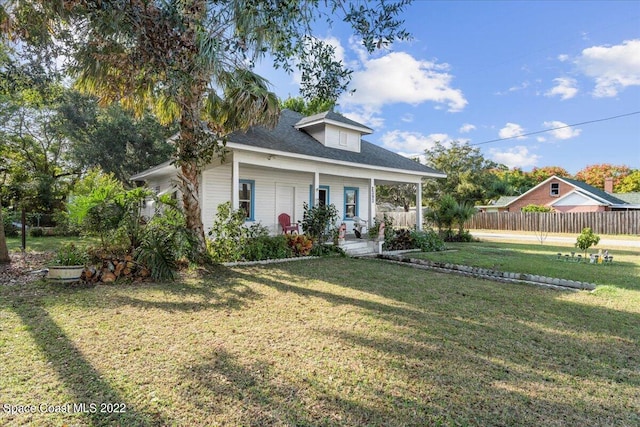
(158, 184)
(216, 189)
(541, 196)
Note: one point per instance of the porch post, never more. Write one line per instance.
(235, 184)
(316, 188)
(372, 201)
(419, 206)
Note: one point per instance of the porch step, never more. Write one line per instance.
(359, 247)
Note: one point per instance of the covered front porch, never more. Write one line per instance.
(268, 185)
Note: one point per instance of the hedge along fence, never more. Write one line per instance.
(614, 222)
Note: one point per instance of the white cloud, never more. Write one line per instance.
(398, 77)
(521, 86)
(612, 67)
(563, 57)
(466, 128)
(511, 130)
(565, 88)
(518, 156)
(369, 118)
(564, 133)
(413, 144)
(407, 118)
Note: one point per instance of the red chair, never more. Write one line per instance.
(285, 222)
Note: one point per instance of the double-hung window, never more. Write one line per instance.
(350, 202)
(554, 189)
(246, 198)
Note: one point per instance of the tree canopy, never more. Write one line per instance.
(191, 61)
(467, 172)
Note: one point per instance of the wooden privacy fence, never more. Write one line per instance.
(614, 222)
(400, 219)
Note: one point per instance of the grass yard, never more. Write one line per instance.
(327, 342)
(48, 243)
(532, 258)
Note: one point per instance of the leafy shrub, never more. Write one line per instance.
(266, 247)
(36, 232)
(165, 240)
(536, 208)
(70, 254)
(450, 236)
(157, 252)
(228, 234)
(401, 240)
(300, 244)
(10, 230)
(319, 222)
(326, 250)
(586, 239)
(427, 241)
(389, 233)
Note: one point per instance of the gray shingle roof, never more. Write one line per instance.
(632, 198)
(285, 137)
(331, 115)
(611, 199)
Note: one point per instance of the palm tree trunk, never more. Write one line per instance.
(4, 252)
(190, 180)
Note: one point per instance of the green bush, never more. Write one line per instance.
(586, 239)
(164, 240)
(326, 250)
(36, 232)
(389, 233)
(319, 222)
(228, 234)
(10, 230)
(427, 241)
(266, 247)
(536, 208)
(70, 254)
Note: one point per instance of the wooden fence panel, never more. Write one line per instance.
(617, 222)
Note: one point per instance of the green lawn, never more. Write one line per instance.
(538, 259)
(330, 342)
(41, 244)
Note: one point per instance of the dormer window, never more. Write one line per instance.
(555, 189)
(334, 130)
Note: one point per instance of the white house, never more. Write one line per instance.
(316, 159)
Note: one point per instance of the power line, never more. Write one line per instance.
(556, 128)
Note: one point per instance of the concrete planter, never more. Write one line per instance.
(65, 273)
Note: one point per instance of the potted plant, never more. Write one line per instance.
(68, 264)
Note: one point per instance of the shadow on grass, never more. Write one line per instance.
(80, 378)
(255, 395)
(473, 312)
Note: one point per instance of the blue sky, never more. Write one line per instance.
(478, 71)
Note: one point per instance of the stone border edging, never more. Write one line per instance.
(501, 276)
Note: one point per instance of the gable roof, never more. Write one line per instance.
(607, 197)
(583, 188)
(289, 140)
(332, 117)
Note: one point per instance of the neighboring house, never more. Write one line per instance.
(567, 195)
(316, 159)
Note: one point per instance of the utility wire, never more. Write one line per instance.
(556, 128)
